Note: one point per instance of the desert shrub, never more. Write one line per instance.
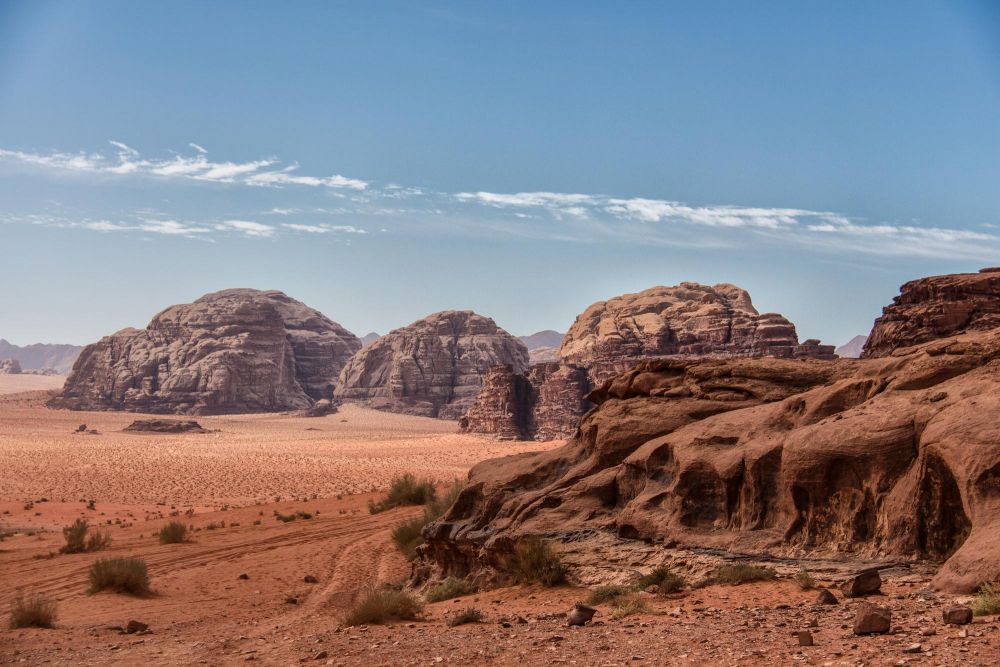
(467, 615)
(34, 611)
(662, 578)
(121, 575)
(378, 605)
(174, 532)
(76, 537)
(987, 600)
(534, 561)
(610, 593)
(98, 540)
(405, 490)
(628, 605)
(451, 587)
(741, 573)
(805, 580)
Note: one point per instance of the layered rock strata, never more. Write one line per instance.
(238, 350)
(433, 367)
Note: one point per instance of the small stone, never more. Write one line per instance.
(864, 583)
(962, 634)
(805, 638)
(872, 619)
(957, 615)
(580, 614)
(320, 656)
(244, 576)
(928, 632)
(912, 648)
(133, 627)
(826, 597)
(292, 600)
(309, 579)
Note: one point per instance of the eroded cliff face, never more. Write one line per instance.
(433, 367)
(934, 307)
(238, 350)
(687, 320)
(890, 457)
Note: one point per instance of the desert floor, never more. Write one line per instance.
(234, 481)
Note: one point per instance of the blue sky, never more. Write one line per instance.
(384, 160)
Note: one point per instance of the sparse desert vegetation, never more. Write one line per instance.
(405, 490)
(80, 538)
(627, 606)
(450, 587)
(533, 560)
(465, 616)
(664, 580)
(121, 575)
(380, 605)
(174, 532)
(805, 580)
(32, 611)
(734, 574)
(608, 593)
(987, 600)
(408, 535)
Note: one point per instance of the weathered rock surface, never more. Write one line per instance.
(542, 339)
(959, 614)
(688, 320)
(165, 426)
(864, 583)
(896, 457)
(543, 355)
(872, 619)
(935, 307)
(10, 367)
(433, 367)
(238, 350)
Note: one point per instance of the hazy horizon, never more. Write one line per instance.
(385, 161)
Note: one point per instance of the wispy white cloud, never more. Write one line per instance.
(323, 228)
(127, 160)
(247, 228)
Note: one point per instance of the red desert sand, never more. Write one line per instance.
(228, 486)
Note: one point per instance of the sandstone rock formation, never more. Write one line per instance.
(238, 350)
(10, 367)
(433, 367)
(853, 348)
(546, 338)
(543, 355)
(688, 320)
(369, 338)
(893, 457)
(934, 307)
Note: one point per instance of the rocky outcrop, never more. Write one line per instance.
(935, 307)
(433, 367)
(238, 350)
(540, 339)
(39, 356)
(544, 402)
(165, 426)
(853, 348)
(688, 320)
(894, 457)
(10, 367)
(685, 320)
(543, 355)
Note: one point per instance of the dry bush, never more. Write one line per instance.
(805, 580)
(98, 540)
(626, 606)
(405, 490)
(662, 578)
(449, 588)
(174, 532)
(121, 575)
(379, 605)
(534, 561)
(741, 573)
(987, 600)
(78, 541)
(408, 535)
(467, 615)
(34, 611)
(610, 593)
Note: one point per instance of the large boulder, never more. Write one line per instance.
(238, 350)
(895, 457)
(433, 367)
(935, 307)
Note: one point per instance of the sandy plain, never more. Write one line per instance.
(233, 481)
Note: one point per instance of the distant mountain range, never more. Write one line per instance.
(369, 338)
(852, 348)
(59, 358)
(547, 338)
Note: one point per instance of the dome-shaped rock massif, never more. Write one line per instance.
(433, 367)
(238, 350)
(891, 457)
(686, 320)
